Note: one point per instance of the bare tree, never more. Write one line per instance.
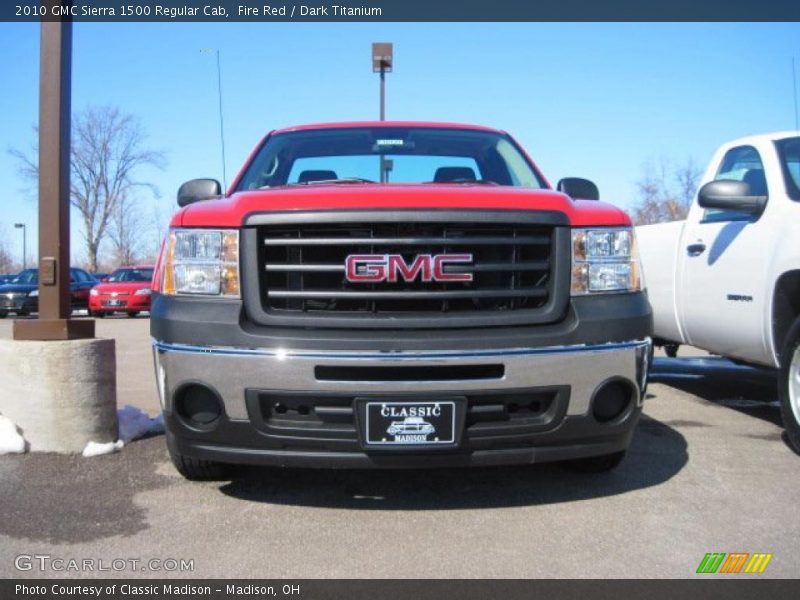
(126, 231)
(158, 229)
(107, 152)
(7, 263)
(665, 192)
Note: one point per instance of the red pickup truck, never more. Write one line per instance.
(396, 294)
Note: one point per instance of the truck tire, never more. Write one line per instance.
(789, 385)
(196, 469)
(596, 464)
(3, 314)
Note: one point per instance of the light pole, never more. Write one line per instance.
(382, 62)
(24, 244)
(221, 124)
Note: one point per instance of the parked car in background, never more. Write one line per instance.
(727, 279)
(126, 290)
(21, 295)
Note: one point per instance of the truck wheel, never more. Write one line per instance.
(596, 464)
(789, 385)
(671, 350)
(3, 314)
(196, 469)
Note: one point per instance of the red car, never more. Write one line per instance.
(126, 290)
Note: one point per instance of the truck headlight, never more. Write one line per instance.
(201, 262)
(33, 294)
(604, 260)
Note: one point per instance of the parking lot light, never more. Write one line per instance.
(24, 244)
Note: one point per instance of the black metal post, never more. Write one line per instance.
(383, 94)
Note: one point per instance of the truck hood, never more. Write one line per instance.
(232, 210)
(121, 286)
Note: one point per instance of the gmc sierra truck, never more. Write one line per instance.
(727, 279)
(397, 294)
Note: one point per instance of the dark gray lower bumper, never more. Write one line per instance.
(248, 382)
(212, 343)
(576, 437)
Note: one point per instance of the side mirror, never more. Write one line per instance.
(578, 189)
(196, 190)
(729, 194)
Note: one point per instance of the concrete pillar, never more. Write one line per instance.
(61, 394)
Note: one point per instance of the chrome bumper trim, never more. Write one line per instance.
(231, 371)
(395, 355)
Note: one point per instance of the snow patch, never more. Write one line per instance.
(11, 442)
(98, 449)
(133, 424)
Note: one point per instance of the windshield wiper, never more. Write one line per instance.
(328, 181)
(343, 180)
(466, 181)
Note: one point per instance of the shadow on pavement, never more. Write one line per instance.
(749, 390)
(658, 453)
(68, 498)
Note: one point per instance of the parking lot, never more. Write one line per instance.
(708, 471)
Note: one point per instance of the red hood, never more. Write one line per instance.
(232, 210)
(121, 286)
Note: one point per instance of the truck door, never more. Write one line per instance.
(723, 269)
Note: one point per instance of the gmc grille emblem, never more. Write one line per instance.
(372, 268)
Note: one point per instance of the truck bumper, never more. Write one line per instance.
(308, 408)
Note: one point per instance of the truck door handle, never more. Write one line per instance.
(696, 249)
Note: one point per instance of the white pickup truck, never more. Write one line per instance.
(727, 279)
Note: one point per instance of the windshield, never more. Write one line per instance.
(789, 151)
(27, 277)
(121, 275)
(389, 155)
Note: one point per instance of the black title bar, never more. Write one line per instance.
(745, 587)
(398, 10)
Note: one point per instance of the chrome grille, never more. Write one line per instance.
(303, 267)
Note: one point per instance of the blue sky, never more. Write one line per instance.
(594, 100)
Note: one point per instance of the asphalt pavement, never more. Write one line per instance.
(708, 471)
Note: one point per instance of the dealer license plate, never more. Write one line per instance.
(427, 423)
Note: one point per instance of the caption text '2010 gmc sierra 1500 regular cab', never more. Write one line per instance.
(397, 294)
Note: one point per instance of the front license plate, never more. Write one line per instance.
(113, 303)
(410, 423)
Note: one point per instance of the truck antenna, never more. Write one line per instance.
(794, 87)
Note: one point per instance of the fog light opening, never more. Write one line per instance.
(611, 400)
(198, 405)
